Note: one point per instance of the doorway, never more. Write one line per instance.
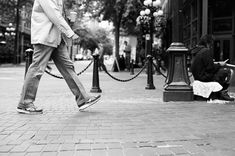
(222, 49)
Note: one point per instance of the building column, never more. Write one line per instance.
(204, 17)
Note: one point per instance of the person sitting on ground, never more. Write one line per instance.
(204, 68)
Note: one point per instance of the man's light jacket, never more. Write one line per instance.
(47, 23)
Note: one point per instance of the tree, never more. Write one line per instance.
(90, 39)
(122, 13)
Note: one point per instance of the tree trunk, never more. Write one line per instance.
(117, 46)
(117, 35)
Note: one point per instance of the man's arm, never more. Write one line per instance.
(52, 11)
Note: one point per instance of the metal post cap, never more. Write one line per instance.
(149, 56)
(29, 50)
(177, 46)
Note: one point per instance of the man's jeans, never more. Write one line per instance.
(60, 56)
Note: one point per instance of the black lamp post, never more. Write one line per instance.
(177, 87)
(147, 21)
(2, 44)
(9, 36)
(17, 35)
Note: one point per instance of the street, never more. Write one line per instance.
(128, 121)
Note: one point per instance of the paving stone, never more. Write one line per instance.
(148, 151)
(115, 152)
(21, 148)
(5, 148)
(49, 154)
(83, 153)
(33, 154)
(131, 152)
(66, 153)
(98, 146)
(98, 153)
(144, 144)
(178, 150)
(35, 148)
(114, 145)
(15, 142)
(67, 147)
(129, 145)
(17, 154)
(192, 148)
(83, 147)
(164, 152)
(51, 147)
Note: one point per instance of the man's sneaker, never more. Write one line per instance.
(89, 103)
(224, 96)
(29, 109)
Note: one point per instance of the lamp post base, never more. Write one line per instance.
(179, 95)
(95, 90)
(150, 86)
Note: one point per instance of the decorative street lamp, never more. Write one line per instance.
(2, 46)
(17, 35)
(9, 42)
(148, 21)
(10, 30)
(2, 39)
(23, 20)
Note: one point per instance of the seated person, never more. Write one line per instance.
(204, 69)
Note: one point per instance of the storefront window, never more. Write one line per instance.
(194, 9)
(194, 28)
(222, 8)
(222, 25)
(187, 16)
(191, 29)
(186, 33)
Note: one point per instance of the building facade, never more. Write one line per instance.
(188, 20)
(8, 24)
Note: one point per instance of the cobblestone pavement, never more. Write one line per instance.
(128, 121)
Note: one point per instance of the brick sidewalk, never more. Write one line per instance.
(128, 120)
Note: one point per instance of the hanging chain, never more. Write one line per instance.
(48, 71)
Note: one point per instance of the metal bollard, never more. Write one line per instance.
(95, 82)
(28, 59)
(132, 67)
(149, 53)
(150, 84)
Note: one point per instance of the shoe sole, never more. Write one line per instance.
(21, 111)
(82, 108)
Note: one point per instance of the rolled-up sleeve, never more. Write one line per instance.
(52, 11)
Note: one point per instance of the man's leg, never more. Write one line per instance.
(224, 76)
(41, 57)
(66, 68)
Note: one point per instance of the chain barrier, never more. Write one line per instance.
(158, 69)
(48, 71)
(117, 79)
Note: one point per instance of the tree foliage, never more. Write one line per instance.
(122, 13)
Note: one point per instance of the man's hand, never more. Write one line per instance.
(222, 63)
(75, 37)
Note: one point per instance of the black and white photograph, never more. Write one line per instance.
(117, 78)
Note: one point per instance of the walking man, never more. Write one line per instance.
(50, 34)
